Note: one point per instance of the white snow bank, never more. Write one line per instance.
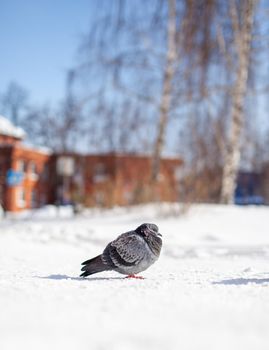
(9, 129)
(209, 290)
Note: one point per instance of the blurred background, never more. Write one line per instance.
(125, 112)
(107, 103)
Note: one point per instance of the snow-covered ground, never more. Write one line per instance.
(209, 290)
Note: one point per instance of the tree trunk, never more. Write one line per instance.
(166, 91)
(242, 38)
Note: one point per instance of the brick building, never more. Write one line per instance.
(31, 177)
(24, 172)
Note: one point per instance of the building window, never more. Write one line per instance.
(45, 172)
(33, 171)
(179, 173)
(32, 168)
(100, 198)
(33, 199)
(21, 197)
(43, 199)
(100, 174)
(160, 177)
(21, 166)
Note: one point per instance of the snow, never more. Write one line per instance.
(209, 290)
(7, 128)
(35, 148)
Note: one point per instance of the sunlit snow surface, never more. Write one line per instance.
(209, 290)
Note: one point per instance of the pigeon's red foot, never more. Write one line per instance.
(134, 276)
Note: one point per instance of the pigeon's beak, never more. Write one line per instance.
(159, 234)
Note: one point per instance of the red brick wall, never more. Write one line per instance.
(102, 180)
(115, 180)
(133, 180)
(126, 180)
(32, 184)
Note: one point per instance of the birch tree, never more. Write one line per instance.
(242, 25)
(166, 95)
(144, 51)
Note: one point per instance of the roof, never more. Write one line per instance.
(9, 129)
(33, 148)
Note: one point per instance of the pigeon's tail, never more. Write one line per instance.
(92, 266)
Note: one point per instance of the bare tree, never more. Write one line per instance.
(166, 95)
(140, 53)
(123, 55)
(58, 127)
(242, 24)
(14, 102)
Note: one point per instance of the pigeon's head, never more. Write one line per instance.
(148, 229)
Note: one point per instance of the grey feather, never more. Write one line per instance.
(132, 252)
(93, 266)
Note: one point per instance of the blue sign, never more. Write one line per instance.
(14, 178)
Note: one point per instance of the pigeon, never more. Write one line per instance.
(132, 252)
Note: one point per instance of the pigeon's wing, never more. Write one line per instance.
(127, 250)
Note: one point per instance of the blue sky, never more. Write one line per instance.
(38, 43)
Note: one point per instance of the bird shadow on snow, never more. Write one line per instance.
(65, 277)
(242, 281)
